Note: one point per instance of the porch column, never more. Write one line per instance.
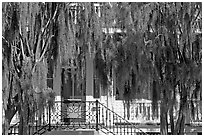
(57, 89)
(89, 77)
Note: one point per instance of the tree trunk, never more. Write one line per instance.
(179, 130)
(180, 124)
(163, 120)
(124, 106)
(23, 124)
(171, 119)
(20, 132)
(128, 109)
(5, 127)
(163, 114)
(23, 112)
(9, 114)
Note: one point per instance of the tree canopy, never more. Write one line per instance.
(152, 49)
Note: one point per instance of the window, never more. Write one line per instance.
(69, 84)
(96, 88)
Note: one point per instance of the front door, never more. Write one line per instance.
(72, 106)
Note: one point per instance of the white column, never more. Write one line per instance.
(146, 107)
(150, 111)
(56, 114)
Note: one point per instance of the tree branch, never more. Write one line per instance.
(46, 26)
(45, 49)
(21, 40)
(29, 51)
(147, 42)
(196, 18)
(43, 53)
(38, 46)
(5, 40)
(37, 56)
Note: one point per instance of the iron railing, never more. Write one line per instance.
(141, 111)
(39, 122)
(91, 115)
(13, 130)
(77, 114)
(114, 123)
(72, 115)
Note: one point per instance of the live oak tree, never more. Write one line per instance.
(162, 47)
(36, 37)
(158, 52)
(176, 67)
(27, 36)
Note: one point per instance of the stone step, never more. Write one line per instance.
(72, 132)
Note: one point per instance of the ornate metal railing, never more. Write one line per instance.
(39, 122)
(13, 130)
(114, 123)
(195, 116)
(141, 111)
(78, 114)
(75, 114)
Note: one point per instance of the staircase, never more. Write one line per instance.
(114, 123)
(79, 118)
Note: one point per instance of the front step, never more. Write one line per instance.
(73, 132)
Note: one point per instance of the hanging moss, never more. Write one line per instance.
(100, 69)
